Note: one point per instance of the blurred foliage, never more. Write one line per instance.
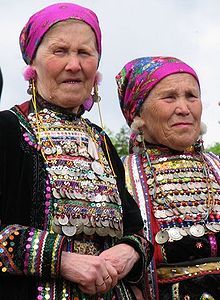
(120, 140)
(215, 148)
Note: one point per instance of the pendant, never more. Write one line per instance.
(92, 149)
(174, 234)
(197, 230)
(97, 167)
(161, 237)
(69, 230)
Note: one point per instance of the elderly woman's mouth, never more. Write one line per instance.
(182, 124)
(72, 81)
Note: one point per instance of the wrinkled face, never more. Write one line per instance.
(66, 63)
(172, 112)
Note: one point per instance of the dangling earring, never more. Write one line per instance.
(30, 75)
(95, 96)
(136, 141)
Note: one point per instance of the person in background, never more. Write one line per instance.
(69, 229)
(175, 183)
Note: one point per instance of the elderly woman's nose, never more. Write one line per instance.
(73, 63)
(182, 106)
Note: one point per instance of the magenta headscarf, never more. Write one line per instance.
(35, 29)
(139, 76)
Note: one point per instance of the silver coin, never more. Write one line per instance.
(160, 177)
(200, 208)
(216, 208)
(216, 226)
(111, 179)
(210, 227)
(157, 214)
(215, 185)
(181, 209)
(161, 237)
(88, 230)
(84, 220)
(91, 175)
(183, 231)
(69, 230)
(163, 214)
(63, 220)
(97, 167)
(197, 230)
(105, 222)
(174, 234)
(184, 186)
(194, 209)
(187, 210)
(55, 221)
(102, 231)
(169, 212)
(79, 229)
(112, 232)
(62, 193)
(48, 151)
(56, 194)
(56, 229)
(73, 220)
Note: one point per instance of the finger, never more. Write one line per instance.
(101, 287)
(113, 279)
(90, 289)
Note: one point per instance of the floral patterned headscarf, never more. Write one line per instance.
(35, 29)
(139, 76)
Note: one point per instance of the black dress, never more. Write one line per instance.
(32, 232)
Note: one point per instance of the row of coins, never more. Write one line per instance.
(185, 176)
(187, 187)
(88, 225)
(180, 198)
(182, 210)
(91, 171)
(177, 233)
(63, 193)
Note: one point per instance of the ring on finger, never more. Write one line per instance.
(98, 285)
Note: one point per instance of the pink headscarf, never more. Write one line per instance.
(139, 76)
(35, 29)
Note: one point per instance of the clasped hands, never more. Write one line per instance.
(98, 274)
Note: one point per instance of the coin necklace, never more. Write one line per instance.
(176, 233)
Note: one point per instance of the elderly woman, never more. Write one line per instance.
(175, 183)
(69, 229)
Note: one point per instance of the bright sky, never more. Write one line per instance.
(187, 29)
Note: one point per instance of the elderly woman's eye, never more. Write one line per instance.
(192, 96)
(168, 97)
(59, 51)
(83, 52)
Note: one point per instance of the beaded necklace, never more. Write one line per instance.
(185, 194)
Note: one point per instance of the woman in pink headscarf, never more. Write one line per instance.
(68, 227)
(176, 184)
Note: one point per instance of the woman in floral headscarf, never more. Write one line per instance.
(68, 227)
(175, 183)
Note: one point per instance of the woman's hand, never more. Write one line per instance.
(122, 257)
(93, 274)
